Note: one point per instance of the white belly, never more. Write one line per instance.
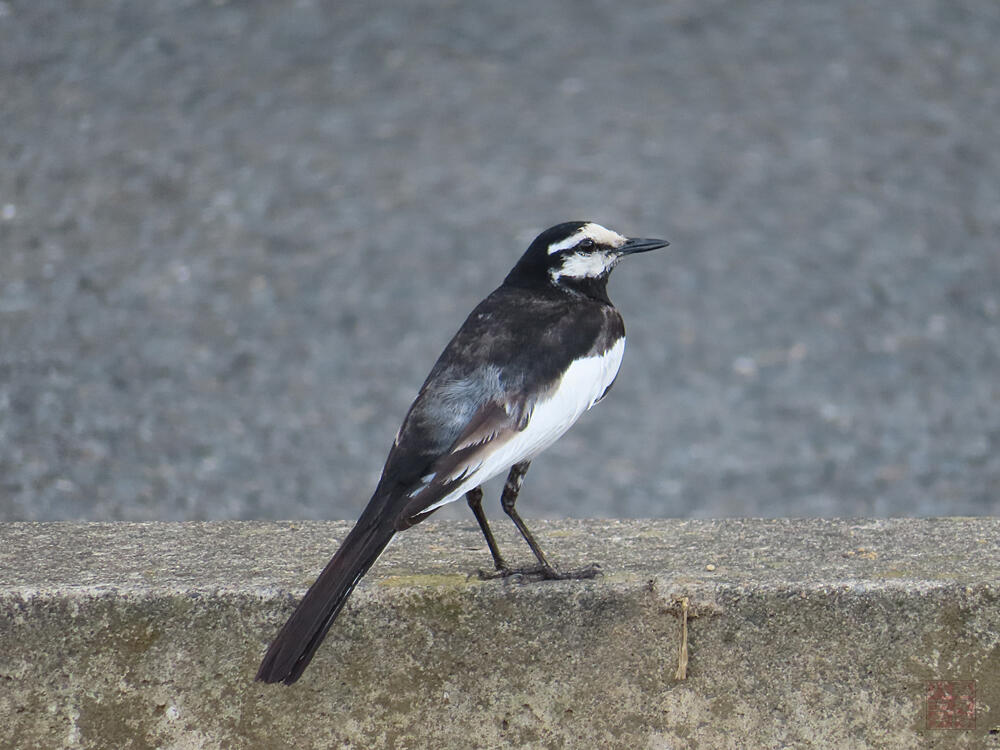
(582, 386)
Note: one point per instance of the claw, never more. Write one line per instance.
(542, 573)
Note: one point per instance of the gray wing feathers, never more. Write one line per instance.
(495, 422)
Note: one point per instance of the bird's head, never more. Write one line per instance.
(577, 255)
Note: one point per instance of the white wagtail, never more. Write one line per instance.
(530, 359)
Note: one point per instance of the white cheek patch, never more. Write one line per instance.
(584, 265)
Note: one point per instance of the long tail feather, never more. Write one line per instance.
(293, 649)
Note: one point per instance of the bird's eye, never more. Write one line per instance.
(586, 243)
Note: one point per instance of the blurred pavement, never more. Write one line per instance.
(235, 236)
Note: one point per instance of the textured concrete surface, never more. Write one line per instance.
(235, 235)
(801, 634)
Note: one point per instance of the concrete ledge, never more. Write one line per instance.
(800, 633)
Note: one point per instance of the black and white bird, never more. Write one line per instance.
(532, 357)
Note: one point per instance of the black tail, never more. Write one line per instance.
(293, 649)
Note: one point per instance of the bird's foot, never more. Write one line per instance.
(541, 573)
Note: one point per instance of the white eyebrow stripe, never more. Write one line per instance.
(596, 232)
(569, 241)
(603, 236)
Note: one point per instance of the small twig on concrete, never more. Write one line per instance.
(682, 655)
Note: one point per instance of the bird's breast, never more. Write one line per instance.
(581, 386)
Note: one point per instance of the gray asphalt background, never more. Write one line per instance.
(235, 236)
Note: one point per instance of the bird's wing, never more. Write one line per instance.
(490, 429)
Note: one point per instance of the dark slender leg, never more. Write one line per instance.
(508, 499)
(475, 500)
(543, 570)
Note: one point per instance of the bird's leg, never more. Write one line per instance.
(475, 500)
(508, 499)
(543, 570)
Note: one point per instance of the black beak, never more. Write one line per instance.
(636, 245)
